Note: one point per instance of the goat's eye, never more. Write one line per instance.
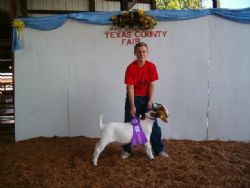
(152, 114)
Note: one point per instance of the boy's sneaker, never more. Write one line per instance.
(163, 154)
(125, 154)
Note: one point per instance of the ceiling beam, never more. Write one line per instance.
(37, 11)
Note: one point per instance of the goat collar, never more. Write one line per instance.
(152, 118)
(151, 114)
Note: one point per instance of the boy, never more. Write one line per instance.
(140, 78)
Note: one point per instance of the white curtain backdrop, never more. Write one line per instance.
(65, 78)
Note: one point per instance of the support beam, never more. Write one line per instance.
(153, 4)
(92, 5)
(13, 9)
(23, 8)
(131, 5)
(130, 1)
(124, 5)
(214, 3)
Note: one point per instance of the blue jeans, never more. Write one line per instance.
(141, 109)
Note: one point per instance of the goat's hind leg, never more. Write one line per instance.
(149, 150)
(98, 149)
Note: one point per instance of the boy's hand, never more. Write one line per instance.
(150, 105)
(133, 111)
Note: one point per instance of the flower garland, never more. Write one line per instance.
(19, 25)
(134, 19)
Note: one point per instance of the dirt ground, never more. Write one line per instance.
(66, 162)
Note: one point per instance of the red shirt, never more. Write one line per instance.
(141, 77)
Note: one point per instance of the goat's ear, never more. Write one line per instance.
(164, 109)
(143, 117)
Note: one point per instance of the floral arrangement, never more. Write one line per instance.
(19, 25)
(134, 19)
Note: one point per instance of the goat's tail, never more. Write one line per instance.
(100, 121)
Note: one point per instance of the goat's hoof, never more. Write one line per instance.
(94, 163)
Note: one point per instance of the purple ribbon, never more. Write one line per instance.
(138, 134)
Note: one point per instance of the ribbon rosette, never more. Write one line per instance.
(19, 25)
(138, 134)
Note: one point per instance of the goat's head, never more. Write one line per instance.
(159, 111)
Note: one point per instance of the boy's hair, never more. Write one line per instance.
(140, 44)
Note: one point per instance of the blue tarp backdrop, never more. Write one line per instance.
(103, 18)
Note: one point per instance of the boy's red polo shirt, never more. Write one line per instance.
(141, 77)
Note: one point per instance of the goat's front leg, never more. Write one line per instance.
(149, 150)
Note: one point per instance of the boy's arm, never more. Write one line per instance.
(131, 95)
(151, 94)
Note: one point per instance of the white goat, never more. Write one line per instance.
(123, 132)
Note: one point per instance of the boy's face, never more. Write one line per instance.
(141, 53)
